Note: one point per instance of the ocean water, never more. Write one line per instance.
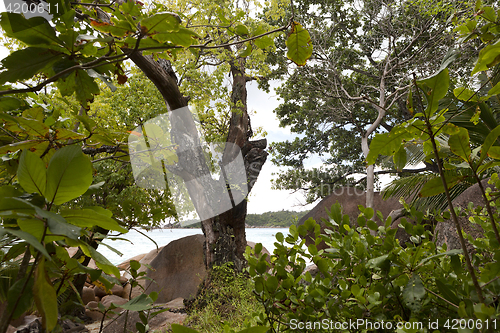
(137, 243)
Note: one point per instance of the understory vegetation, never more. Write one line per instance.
(227, 302)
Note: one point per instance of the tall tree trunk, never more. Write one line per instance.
(224, 233)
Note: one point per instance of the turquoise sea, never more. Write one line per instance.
(138, 243)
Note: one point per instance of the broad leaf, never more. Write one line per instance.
(139, 303)
(31, 173)
(387, 143)
(400, 158)
(299, 45)
(15, 207)
(435, 88)
(459, 144)
(160, 22)
(90, 218)
(33, 31)
(488, 142)
(102, 262)
(25, 63)
(45, 297)
(69, 175)
(183, 37)
(414, 293)
(435, 185)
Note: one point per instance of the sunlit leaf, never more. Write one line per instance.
(299, 45)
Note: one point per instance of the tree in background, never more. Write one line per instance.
(365, 56)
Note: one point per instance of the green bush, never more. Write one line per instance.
(370, 283)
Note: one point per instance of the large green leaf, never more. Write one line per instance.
(25, 63)
(69, 175)
(435, 88)
(459, 144)
(90, 218)
(33, 31)
(299, 45)
(139, 303)
(183, 37)
(488, 142)
(101, 262)
(45, 297)
(25, 297)
(435, 185)
(161, 22)
(387, 143)
(414, 293)
(58, 225)
(31, 173)
(15, 207)
(81, 83)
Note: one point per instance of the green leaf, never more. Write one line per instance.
(69, 175)
(247, 51)
(299, 45)
(139, 303)
(495, 90)
(378, 262)
(184, 37)
(176, 328)
(15, 207)
(28, 238)
(58, 225)
(435, 88)
(25, 297)
(435, 185)
(488, 142)
(31, 173)
(45, 297)
(8, 103)
(103, 263)
(494, 152)
(161, 22)
(465, 94)
(414, 293)
(487, 57)
(447, 253)
(33, 31)
(387, 143)
(400, 158)
(241, 30)
(447, 292)
(272, 283)
(459, 144)
(90, 218)
(25, 63)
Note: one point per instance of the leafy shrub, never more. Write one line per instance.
(370, 282)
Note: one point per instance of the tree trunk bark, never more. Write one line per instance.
(225, 239)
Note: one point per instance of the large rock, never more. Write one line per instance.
(446, 232)
(349, 198)
(88, 295)
(178, 269)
